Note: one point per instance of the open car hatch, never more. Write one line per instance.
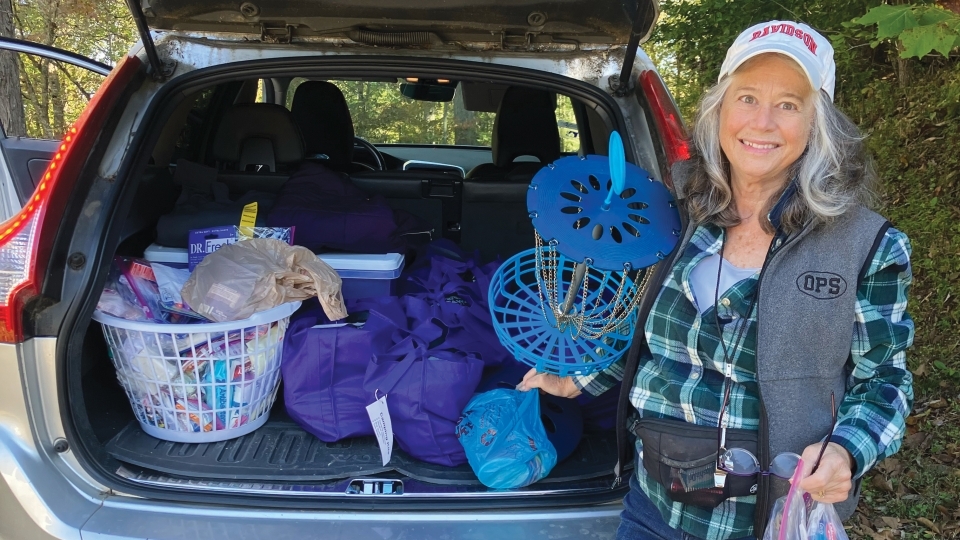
(412, 23)
(502, 25)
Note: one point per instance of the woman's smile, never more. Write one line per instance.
(759, 147)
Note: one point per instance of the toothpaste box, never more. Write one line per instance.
(205, 241)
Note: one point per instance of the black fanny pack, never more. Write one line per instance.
(682, 458)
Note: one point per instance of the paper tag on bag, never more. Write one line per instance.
(382, 427)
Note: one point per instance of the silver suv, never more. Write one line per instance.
(73, 462)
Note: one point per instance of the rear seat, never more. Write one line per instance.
(321, 112)
(495, 218)
(256, 147)
(435, 198)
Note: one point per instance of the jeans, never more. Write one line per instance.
(641, 520)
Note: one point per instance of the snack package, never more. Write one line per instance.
(118, 299)
(139, 277)
(169, 282)
(194, 415)
(112, 303)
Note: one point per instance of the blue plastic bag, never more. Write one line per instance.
(504, 438)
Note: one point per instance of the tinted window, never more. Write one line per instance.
(381, 114)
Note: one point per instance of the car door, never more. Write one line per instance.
(24, 155)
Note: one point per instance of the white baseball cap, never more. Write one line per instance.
(797, 40)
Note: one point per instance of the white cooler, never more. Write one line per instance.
(364, 274)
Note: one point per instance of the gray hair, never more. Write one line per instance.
(833, 174)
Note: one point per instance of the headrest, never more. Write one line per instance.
(261, 128)
(526, 125)
(321, 112)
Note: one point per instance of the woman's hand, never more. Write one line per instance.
(833, 480)
(551, 384)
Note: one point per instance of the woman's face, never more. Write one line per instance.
(765, 118)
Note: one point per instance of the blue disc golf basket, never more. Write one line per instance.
(569, 306)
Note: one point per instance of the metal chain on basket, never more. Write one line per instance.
(592, 324)
(546, 273)
(616, 321)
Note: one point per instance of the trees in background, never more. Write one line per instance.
(52, 94)
(692, 36)
(11, 102)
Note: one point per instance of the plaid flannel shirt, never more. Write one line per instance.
(681, 376)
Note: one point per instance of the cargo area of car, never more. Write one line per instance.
(456, 190)
(281, 452)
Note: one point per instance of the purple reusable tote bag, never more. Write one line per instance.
(323, 370)
(468, 322)
(426, 386)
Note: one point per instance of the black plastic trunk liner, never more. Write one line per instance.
(281, 451)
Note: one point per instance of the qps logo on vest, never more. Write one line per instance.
(822, 285)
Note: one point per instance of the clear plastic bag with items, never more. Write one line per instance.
(788, 521)
(796, 516)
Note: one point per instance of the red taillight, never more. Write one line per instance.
(25, 239)
(668, 119)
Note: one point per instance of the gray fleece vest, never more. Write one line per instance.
(805, 317)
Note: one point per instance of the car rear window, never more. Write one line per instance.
(382, 115)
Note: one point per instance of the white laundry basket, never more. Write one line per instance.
(200, 382)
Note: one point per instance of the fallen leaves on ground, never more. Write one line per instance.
(914, 495)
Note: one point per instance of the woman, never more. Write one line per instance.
(776, 231)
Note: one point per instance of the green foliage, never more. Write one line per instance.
(891, 21)
(381, 114)
(54, 93)
(692, 36)
(920, 29)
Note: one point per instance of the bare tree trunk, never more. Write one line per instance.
(44, 111)
(11, 102)
(446, 108)
(902, 67)
(462, 134)
(53, 98)
(58, 102)
(362, 117)
(35, 96)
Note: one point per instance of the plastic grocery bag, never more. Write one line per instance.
(504, 438)
(825, 524)
(254, 275)
(788, 521)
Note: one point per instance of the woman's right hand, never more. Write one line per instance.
(549, 383)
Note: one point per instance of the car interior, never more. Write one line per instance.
(457, 155)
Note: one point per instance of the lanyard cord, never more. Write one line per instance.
(728, 362)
